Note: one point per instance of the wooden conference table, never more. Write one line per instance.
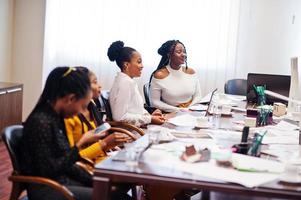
(111, 171)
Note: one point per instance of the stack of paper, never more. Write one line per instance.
(172, 162)
(254, 164)
(183, 120)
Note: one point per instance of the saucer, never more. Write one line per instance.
(166, 137)
(205, 125)
(227, 114)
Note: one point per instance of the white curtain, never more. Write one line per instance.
(79, 32)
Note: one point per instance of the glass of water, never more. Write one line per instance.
(131, 155)
(153, 133)
(216, 115)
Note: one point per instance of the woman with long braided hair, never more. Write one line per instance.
(173, 86)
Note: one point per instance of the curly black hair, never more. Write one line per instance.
(119, 53)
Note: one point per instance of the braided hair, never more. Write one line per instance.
(119, 53)
(166, 50)
(63, 81)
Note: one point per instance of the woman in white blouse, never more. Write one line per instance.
(125, 99)
(172, 86)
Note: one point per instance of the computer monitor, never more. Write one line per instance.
(275, 83)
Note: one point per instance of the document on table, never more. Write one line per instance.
(198, 107)
(282, 133)
(185, 120)
(280, 140)
(254, 164)
(180, 144)
(236, 97)
(210, 169)
(286, 126)
(225, 135)
(283, 152)
(189, 134)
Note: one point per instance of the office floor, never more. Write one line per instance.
(5, 171)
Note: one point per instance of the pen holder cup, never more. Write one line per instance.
(264, 117)
(241, 148)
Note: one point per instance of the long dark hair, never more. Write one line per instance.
(119, 53)
(166, 50)
(63, 81)
(94, 114)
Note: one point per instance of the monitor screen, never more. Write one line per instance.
(275, 83)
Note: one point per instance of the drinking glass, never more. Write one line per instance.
(131, 156)
(217, 112)
(153, 133)
(297, 109)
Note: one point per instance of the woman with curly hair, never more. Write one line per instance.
(173, 86)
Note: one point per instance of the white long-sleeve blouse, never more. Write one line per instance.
(126, 101)
(178, 87)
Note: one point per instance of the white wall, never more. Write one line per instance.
(27, 55)
(268, 36)
(6, 30)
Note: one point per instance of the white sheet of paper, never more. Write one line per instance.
(207, 169)
(280, 136)
(225, 135)
(249, 163)
(198, 107)
(236, 97)
(185, 120)
(280, 140)
(282, 151)
(286, 126)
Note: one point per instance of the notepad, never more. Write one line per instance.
(254, 164)
(183, 120)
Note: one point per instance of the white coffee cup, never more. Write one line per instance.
(202, 121)
(226, 110)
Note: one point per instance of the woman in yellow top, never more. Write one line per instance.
(88, 120)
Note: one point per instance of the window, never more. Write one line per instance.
(79, 32)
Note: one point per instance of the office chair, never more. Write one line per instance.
(12, 136)
(109, 117)
(146, 94)
(236, 87)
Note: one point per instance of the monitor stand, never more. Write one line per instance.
(294, 92)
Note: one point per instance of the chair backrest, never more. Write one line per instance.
(146, 94)
(12, 136)
(105, 99)
(236, 86)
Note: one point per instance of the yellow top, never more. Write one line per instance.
(74, 133)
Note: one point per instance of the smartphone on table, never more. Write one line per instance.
(103, 127)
